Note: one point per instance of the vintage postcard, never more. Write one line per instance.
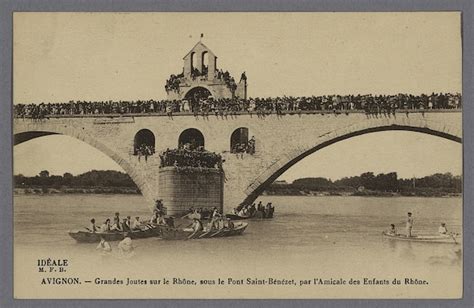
(237, 155)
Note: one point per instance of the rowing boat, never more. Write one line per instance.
(95, 237)
(256, 215)
(169, 233)
(448, 238)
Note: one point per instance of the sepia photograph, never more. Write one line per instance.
(237, 155)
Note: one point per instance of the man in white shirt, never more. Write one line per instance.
(136, 224)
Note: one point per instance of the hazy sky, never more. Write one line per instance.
(102, 56)
(59, 57)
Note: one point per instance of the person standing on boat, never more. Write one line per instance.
(117, 221)
(442, 229)
(409, 226)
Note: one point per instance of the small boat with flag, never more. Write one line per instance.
(441, 238)
(94, 237)
(170, 233)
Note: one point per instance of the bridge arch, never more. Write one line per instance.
(36, 131)
(294, 155)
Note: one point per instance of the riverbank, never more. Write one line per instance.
(75, 190)
(134, 191)
(416, 193)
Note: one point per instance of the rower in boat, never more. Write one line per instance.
(106, 227)
(125, 226)
(93, 227)
(442, 229)
(392, 230)
(229, 224)
(136, 224)
(196, 227)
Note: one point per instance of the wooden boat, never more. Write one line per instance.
(449, 238)
(94, 237)
(169, 233)
(256, 215)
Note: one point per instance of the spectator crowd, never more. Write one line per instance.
(144, 150)
(183, 158)
(174, 82)
(244, 147)
(372, 104)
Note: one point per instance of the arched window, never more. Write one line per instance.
(144, 142)
(193, 60)
(191, 138)
(205, 62)
(239, 140)
(197, 93)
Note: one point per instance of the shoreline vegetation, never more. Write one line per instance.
(366, 185)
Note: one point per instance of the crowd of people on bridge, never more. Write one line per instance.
(371, 104)
(240, 148)
(172, 84)
(186, 158)
(144, 150)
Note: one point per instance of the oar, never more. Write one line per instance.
(454, 239)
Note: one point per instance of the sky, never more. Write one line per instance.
(128, 56)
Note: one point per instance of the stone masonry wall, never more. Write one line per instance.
(182, 190)
(279, 140)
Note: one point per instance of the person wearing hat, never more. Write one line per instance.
(409, 225)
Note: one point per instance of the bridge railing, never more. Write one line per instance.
(236, 113)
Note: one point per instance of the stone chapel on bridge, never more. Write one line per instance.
(201, 78)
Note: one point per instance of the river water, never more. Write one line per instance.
(309, 237)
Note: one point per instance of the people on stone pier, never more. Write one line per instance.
(371, 104)
(187, 156)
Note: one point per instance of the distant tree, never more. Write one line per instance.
(67, 179)
(44, 174)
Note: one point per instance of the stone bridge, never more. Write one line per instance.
(281, 141)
